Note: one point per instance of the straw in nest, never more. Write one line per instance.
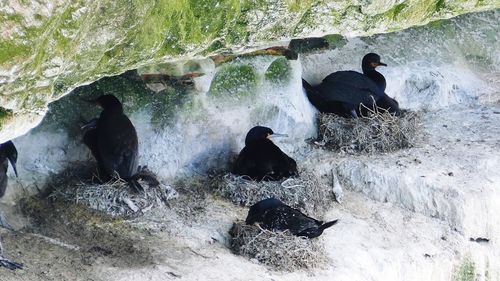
(277, 250)
(380, 131)
(306, 192)
(114, 198)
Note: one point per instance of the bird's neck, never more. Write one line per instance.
(259, 142)
(114, 109)
(375, 76)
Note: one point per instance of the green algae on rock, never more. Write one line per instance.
(233, 81)
(279, 71)
(50, 47)
(466, 271)
(71, 111)
(4, 115)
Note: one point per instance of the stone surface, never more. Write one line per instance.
(49, 47)
(406, 215)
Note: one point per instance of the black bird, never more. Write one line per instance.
(261, 159)
(272, 214)
(112, 139)
(347, 93)
(8, 153)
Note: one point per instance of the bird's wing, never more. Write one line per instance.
(245, 163)
(349, 87)
(118, 146)
(285, 217)
(284, 165)
(259, 209)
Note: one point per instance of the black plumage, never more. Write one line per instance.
(112, 139)
(349, 93)
(272, 214)
(8, 153)
(261, 159)
(90, 140)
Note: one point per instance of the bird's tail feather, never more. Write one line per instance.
(313, 96)
(135, 185)
(310, 92)
(327, 225)
(144, 174)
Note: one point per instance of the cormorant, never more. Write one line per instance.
(347, 93)
(272, 214)
(112, 139)
(8, 153)
(261, 159)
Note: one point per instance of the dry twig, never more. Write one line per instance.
(306, 192)
(379, 131)
(278, 250)
(114, 198)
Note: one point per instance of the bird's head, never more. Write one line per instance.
(371, 61)
(107, 102)
(10, 152)
(260, 133)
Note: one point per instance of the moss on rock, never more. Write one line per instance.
(191, 66)
(173, 69)
(234, 80)
(279, 71)
(71, 111)
(5, 114)
(71, 43)
(466, 271)
(335, 40)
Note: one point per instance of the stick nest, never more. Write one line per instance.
(114, 198)
(192, 201)
(277, 250)
(380, 131)
(306, 192)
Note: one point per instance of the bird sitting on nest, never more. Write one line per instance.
(274, 215)
(112, 140)
(261, 159)
(350, 93)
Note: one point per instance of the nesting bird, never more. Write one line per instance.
(272, 214)
(345, 92)
(8, 153)
(112, 140)
(261, 159)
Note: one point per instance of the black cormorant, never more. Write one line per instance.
(272, 214)
(261, 159)
(347, 93)
(8, 153)
(112, 139)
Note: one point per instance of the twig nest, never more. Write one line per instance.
(277, 250)
(378, 132)
(306, 192)
(114, 198)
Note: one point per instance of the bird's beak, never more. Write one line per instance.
(382, 64)
(13, 163)
(86, 126)
(92, 124)
(276, 135)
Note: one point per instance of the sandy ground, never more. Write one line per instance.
(387, 228)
